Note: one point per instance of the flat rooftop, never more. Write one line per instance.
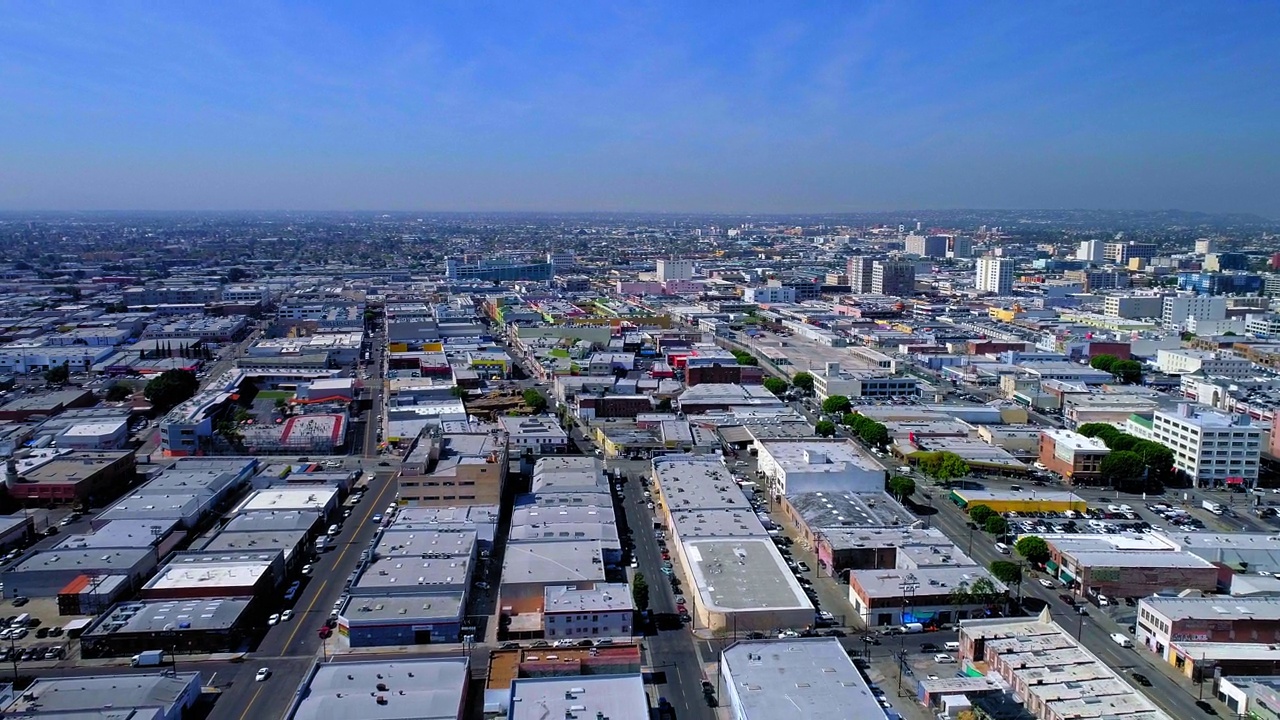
(387, 574)
(603, 597)
(94, 694)
(422, 543)
(209, 575)
(696, 484)
(427, 689)
(1226, 609)
(1074, 441)
(311, 497)
(822, 510)
(743, 575)
(931, 580)
(212, 614)
(552, 562)
(716, 523)
(400, 609)
(977, 497)
(818, 456)
(617, 697)
(809, 678)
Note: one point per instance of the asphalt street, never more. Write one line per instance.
(668, 652)
(290, 648)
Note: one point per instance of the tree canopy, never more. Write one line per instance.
(118, 392)
(871, 432)
(744, 358)
(58, 374)
(996, 525)
(170, 388)
(824, 428)
(640, 592)
(534, 400)
(1006, 571)
(803, 380)
(1033, 548)
(836, 405)
(902, 487)
(980, 513)
(942, 465)
(775, 385)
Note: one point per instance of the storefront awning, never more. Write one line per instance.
(1052, 566)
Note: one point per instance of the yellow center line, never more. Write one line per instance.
(343, 553)
(252, 700)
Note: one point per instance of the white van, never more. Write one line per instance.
(952, 646)
(1004, 549)
(1122, 640)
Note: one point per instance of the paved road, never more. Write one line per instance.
(290, 648)
(1174, 696)
(670, 652)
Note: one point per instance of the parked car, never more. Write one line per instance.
(1141, 680)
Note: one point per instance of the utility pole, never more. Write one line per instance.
(908, 589)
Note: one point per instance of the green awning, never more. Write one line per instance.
(1066, 575)
(1052, 566)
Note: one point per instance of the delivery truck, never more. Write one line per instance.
(1211, 506)
(148, 658)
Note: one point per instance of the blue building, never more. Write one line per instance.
(1208, 283)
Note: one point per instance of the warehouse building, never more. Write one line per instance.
(196, 625)
(1167, 621)
(44, 573)
(198, 575)
(1020, 501)
(156, 696)
(616, 697)
(801, 466)
(402, 619)
(922, 595)
(409, 689)
(810, 678)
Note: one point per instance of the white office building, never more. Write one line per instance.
(672, 269)
(770, 294)
(1214, 449)
(995, 275)
(1177, 310)
(1206, 362)
(1091, 251)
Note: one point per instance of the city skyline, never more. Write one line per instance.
(639, 108)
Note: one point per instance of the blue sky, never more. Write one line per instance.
(738, 107)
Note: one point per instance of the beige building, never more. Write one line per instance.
(444, 469)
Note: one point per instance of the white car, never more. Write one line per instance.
(274, 619)
(306, 570)
(788, 634)
(635, 563)
(286, 616)
(943, 658)
(1046, 583)
(262, 674)
(376, 519)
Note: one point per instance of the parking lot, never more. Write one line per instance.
(31, 631)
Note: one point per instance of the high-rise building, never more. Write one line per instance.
(893, 277)
(1178, 310)
(1204, 246)
(675, 270)
(1133, 306)
(1121, 253)
(1090, 251)
(934, 246)
(859, 270)
(995, 275)
(1214, 449)
(959, 246)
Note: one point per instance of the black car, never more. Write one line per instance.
(1205, 706)
(872, 639)
(1067, 599)
(755, 635)
(1130, 602)
(929, 647)
(835, 632)
(1141, 680)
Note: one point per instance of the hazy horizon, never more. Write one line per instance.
(656, 108)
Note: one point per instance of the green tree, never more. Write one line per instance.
(58, 374)
(1006, 571)
(534, 400)
(118, 392)
(984, 591)
(170, 388)
(1122, 465)
(1128, 371)
(961, 594)
(875, 434)
(942, 465)
(850, 420)
(281, 403)
(996, 525)
(458, 391)
(775, 386)
(980, 513)
(1103, 431)
(1033, 548)
(744, 358)
(902, 487)
(640, 592)
(803, 381)
(1103, 362)
(836, 405)
(824, 428)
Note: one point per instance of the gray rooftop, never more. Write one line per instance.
(96, 692)
(180, 615)
(113, 559)
(414, 574)
(120, 534)
(1214, 608)
(717, 523)
(272, 521)
(743, 574)
(617, 697)
(286, 540)
(934, 580)
(810, 678)
(821, 510)
(418, 543)
(697, 484)
(427, 689)
(428, 607)
(552, 562)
